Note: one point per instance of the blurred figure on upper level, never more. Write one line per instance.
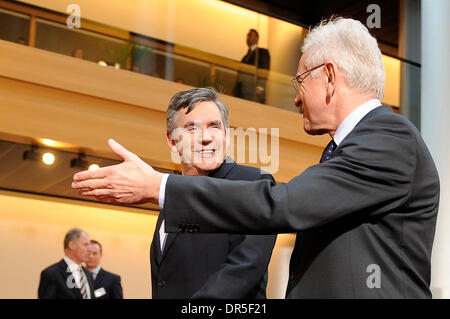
(78, 53)
(21, 40)
(246, 86)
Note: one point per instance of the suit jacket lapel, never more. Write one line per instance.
(247, 56)
(220, 172)
(65, 271)
(223, 170)
(90, 282)
(99, 278)
(156, 246)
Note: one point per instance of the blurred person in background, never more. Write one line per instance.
(106, 284)
(68, 279)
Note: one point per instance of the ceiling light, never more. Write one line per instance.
(48, 158)
(48, 142)
(54, 143)
(93, 166)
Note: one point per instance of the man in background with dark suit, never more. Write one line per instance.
(68, 279)
(106, 284)
(365, 216)
(207, 265)
(247, 87)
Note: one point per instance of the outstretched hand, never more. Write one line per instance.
(131, 182)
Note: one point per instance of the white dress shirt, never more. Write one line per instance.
(75, 270)
(347, 125)
(162, 235)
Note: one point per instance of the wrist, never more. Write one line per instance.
(153, 187)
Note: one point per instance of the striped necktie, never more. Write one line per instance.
(328, 152)
(83, 284)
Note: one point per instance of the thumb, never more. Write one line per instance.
(125, 154)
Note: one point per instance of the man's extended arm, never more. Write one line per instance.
(370, 175)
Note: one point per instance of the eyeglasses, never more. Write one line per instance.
(298, 79)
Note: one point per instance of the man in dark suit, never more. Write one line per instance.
(365, 216)
(246, 86)
(67, 279)
(106, 284)
(207, 265)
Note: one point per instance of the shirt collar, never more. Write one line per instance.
(253, 47)
(96, 270)
(349, 123)
(73, 266)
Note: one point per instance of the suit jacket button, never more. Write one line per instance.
(291, 275)
(161, 283)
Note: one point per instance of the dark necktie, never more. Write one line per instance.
(247, 56)
(328, 152)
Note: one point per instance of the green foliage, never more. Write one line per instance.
(123, 53)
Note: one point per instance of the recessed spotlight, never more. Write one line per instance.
(93, 166)
(48, 158)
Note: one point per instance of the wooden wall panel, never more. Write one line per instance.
(47, 95)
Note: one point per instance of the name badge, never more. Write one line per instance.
(99, 292)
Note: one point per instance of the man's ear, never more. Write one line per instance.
(171, 142)
(71, 245)
(330, 70)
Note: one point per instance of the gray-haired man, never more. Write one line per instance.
(68, 279)
(366, 214)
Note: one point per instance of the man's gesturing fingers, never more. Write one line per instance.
(125, 154)
(91, 174)
(92, 184)
(131, 182)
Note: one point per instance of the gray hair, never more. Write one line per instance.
(72, 235)
(347, 43)
(189, 99)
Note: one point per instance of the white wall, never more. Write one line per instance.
(32, 230)
(435, 120)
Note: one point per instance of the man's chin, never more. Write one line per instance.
(312, 131)
(208, 164)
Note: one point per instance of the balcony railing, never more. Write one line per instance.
(118, 48)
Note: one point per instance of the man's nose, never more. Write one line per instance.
(207, 136)
(298, 102)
